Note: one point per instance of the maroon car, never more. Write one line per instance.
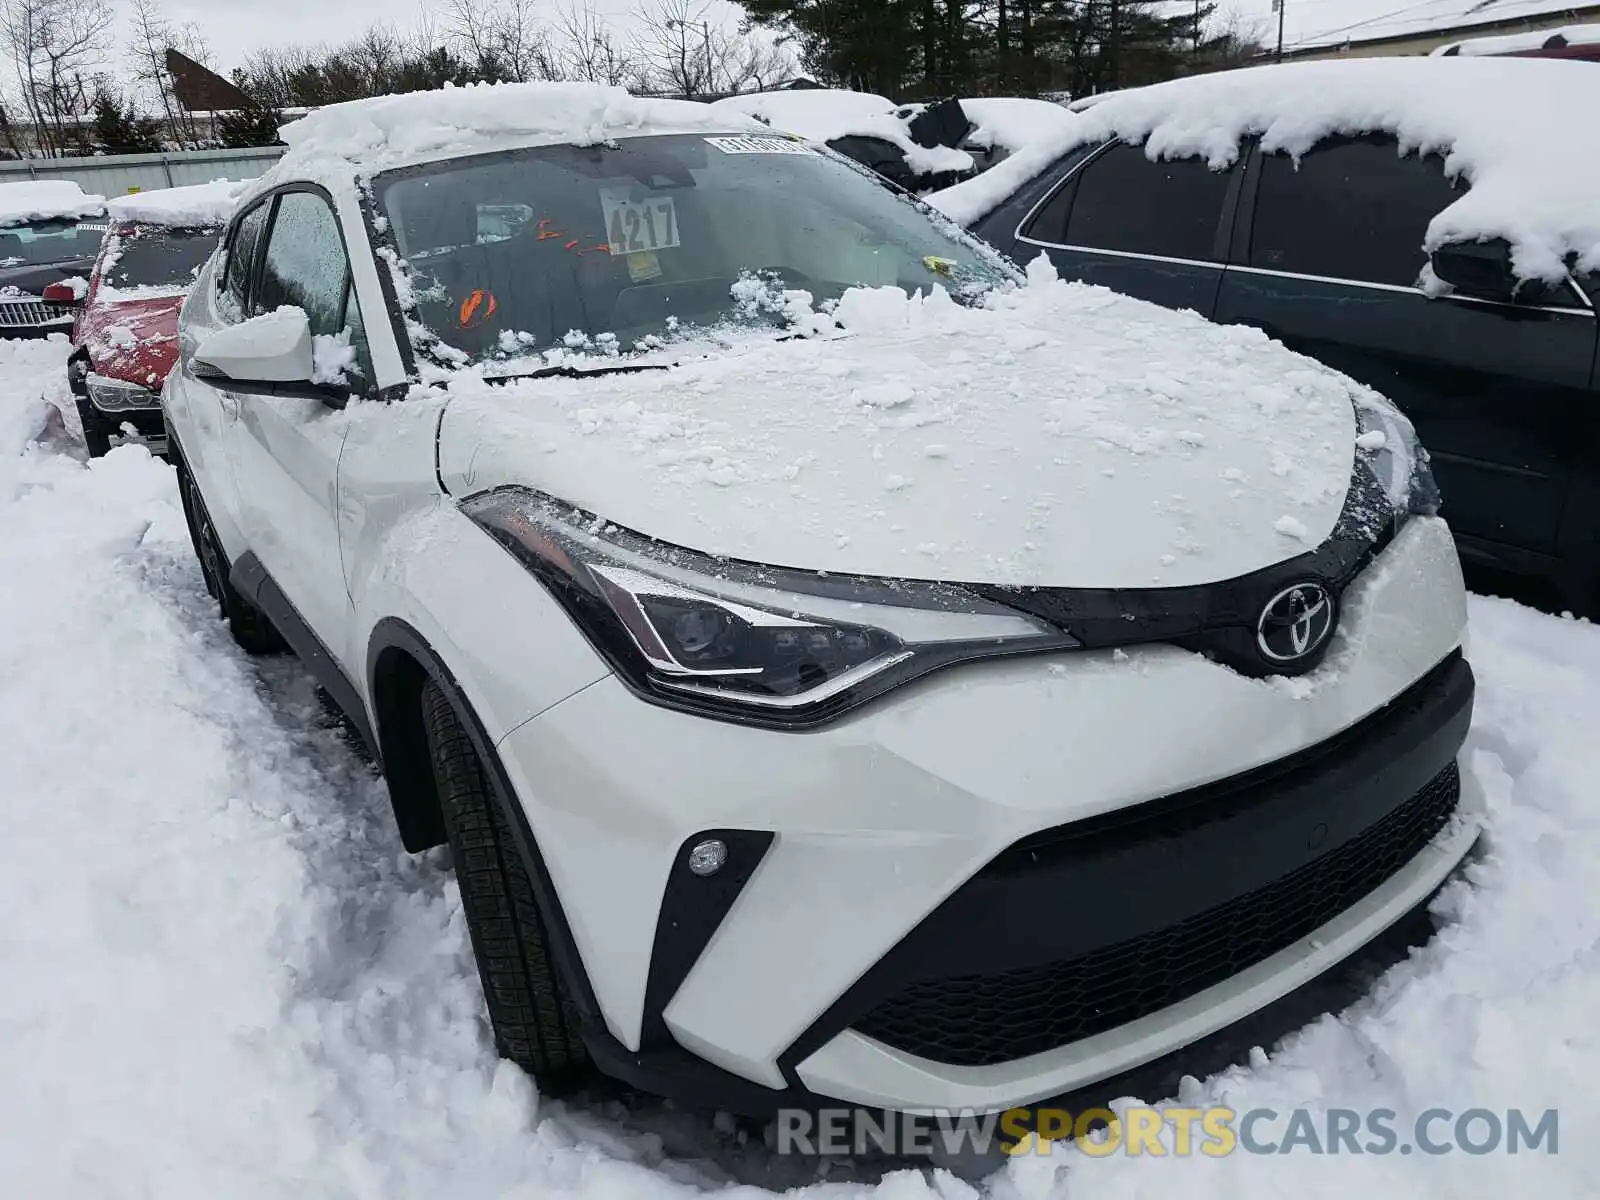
(125, 338)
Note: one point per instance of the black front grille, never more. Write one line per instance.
(975, 1020)
(34, 312)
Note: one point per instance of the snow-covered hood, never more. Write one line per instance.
(132, 340)
(1062, 435)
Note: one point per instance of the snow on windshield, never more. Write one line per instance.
(1518, 130)
(147, 262)
(46, 200)
(528, 249)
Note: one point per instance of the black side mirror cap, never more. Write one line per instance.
(1481, 270)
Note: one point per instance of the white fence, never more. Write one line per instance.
(118, 174)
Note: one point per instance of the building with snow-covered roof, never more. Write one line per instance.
(1378, 29)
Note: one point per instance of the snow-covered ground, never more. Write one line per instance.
(220, 976)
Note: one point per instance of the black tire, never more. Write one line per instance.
(96, 440)
(250, 627)
(96, 430)
(535, 1024)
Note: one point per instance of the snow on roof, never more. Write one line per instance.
(44, 199)
(1570, 35)
(822, 114)
(1354, 21)
(1514, 127)
(390, 131)
(815, 113)
(199, 205)
(1014, 123)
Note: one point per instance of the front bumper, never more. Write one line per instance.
(923, 901)
(146, 421)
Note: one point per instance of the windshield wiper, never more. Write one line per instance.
(569, 372)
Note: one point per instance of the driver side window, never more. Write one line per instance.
(305, 265)
(234, 295)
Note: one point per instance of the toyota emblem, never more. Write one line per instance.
(1295, 623)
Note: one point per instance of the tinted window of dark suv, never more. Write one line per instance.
(1123, 201)
(1355, 209)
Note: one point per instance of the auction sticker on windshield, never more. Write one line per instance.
(760, 145)
(637, 225)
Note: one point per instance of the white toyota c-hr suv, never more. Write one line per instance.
(841, 668)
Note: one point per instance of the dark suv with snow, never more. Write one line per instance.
(1499, 375)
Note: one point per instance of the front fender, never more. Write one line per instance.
(193, 418)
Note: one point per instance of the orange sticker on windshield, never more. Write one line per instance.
(477, 308)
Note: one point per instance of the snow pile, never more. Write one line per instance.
(1062, 435)
(371, 135)
(1510, 126)
(823, 114)
(1013, 123)
(1512, 43)
(46, 199)
(224, 978)
(817, 114)
(195, 207)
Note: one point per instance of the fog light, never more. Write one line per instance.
(707, 857)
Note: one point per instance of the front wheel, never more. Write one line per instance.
(95, 437)
(535, 1024)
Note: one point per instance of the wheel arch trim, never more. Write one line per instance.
(392, 643)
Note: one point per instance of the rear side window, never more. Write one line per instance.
(1123, 201)
(242, 256)
(1355, 209)
(305, 263)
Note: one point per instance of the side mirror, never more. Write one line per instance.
(65, 291)
(268, 355)
(1481, 270)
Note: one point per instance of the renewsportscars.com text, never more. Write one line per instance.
(1171, 1132)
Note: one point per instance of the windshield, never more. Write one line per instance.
(43, 242)
(564, 245)
(155, 256)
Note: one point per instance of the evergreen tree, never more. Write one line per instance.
(115, 128)
(869, 45)
(248, 127)
(924, 49)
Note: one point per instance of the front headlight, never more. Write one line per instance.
(118, 395)
(1388, 442)
(764, 645)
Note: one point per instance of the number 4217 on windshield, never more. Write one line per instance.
(635, 225)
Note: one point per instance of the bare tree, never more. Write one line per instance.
(54, 45)
(675, 43)
(152, 36)
(686, 53)
(584, 46)
(502, 38)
